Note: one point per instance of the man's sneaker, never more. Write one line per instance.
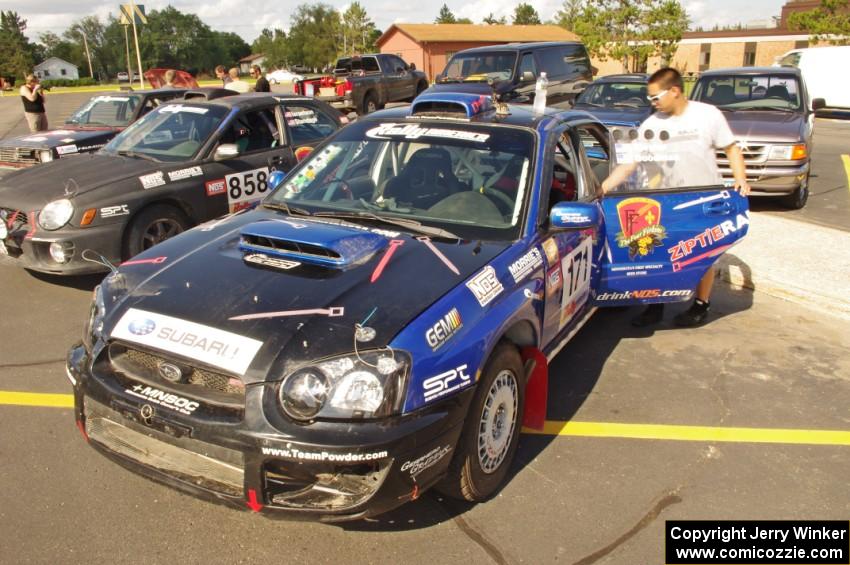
(693, 316)
(651, 315)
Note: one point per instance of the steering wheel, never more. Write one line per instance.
(504, 202)
(635, 100)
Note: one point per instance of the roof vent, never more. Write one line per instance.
(457, 103)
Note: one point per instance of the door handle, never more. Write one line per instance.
(721, 208)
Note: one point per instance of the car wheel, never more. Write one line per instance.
(797, 199)
(370, 104)
(491, 431)
(151, 226)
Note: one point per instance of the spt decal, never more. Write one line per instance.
(640, 225)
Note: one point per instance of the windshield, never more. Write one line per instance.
(172, 132)
(478, 67)
(751, 92)
(114, 111)
(469, 180)
(615, 94)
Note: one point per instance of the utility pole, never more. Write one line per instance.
(88, 55)
(138, 53)
(129, 64)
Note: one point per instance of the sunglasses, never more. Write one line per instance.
(657, 97)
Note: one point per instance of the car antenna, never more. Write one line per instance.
(498, 99)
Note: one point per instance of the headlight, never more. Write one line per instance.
(366, 385)
(56, 214)
(788, 152)
(93, 330)
(45, 156)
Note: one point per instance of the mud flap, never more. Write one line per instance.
(536, 388)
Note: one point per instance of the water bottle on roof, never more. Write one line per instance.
(540, 89)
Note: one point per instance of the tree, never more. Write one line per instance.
(830, 21)
(631, 30)
(272, 44)
(525, 14)
(493, 20)
(16, 52)
(568, 14)
(356, 30)
(446, 16)
(313, 36)
(93, 30)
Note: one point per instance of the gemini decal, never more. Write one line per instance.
(444, 329)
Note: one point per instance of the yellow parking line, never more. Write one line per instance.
(846, 160)
(575, 429)
(693, 433)
(37, 399)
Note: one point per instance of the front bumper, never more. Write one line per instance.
(771, 180)
(31, 250)
(255, 459)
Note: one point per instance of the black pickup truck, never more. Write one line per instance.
(366, 83)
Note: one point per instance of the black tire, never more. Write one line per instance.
(420, 88)
(370, 104)
(151, 226)
(797, 199)
(484, 453)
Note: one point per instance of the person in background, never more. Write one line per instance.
(262, 85)
(169, 79)
(696, 132)
(236, 84)
(221, 73)
(32, 94)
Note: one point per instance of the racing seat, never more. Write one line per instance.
(723, 94)
(425, 180)
(778, 91)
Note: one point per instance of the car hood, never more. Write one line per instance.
(616, 116)
(30, 189)
(298, 314)
(65, 136)
(766, 125)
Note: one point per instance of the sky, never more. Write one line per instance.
(248, 17)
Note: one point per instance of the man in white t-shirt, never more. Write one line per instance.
(680, 141)
(236, 83)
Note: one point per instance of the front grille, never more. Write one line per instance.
(198, 382)
(189, 460)
(15, 219)
(18, 155)
(751, 154)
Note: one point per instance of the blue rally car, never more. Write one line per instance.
(382, 322)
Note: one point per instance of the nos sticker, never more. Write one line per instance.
(246, 187)
(66, 149)
(231, 352)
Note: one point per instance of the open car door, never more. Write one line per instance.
(659, 244)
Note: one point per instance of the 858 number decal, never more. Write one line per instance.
(247, 186)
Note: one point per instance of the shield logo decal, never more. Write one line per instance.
(640, 225)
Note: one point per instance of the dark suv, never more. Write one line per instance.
(515, 68)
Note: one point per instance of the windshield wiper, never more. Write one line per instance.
(284, 207)
(137, 155)
(412, 225)
(770, 109)
(628, 105)
(594, 104)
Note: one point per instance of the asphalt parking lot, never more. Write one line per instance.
(743, 418)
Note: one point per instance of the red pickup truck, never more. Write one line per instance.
(365, 83)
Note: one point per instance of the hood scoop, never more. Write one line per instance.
(310, 242)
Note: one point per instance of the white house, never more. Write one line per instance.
(246, 62)
(56, 68)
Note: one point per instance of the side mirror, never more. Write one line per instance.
(574, 215)
(226, 151)
(412, 66)
(818, 104)
(527, 76)
(275, 179)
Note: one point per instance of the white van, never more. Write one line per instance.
(823, 71)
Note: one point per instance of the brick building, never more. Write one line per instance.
(430, 46)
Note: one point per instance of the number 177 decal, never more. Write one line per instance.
(245, 187)
(576, 271)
